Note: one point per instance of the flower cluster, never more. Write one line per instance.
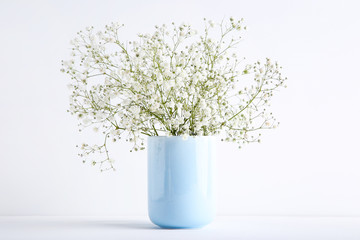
(173, 82)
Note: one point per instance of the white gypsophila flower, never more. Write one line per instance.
(173, 81)
(171, 104)
(211, 23)
(135, 110)
(86, 121)
(187, 114)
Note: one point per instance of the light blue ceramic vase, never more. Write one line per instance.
(181, 189)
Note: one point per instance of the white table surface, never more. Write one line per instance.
(230, 227)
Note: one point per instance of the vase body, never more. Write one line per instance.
(181, 187)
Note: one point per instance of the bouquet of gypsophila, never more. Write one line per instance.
(173, 82)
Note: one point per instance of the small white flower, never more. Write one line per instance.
(202, 103)
(187, 114)
(100, 116)
(135, 110)
(171, 104)
(155, 107)
(179, 109)
(86, 121)
(207, 111)
(211, 23)
(70, 87)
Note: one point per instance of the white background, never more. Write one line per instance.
(308, 166)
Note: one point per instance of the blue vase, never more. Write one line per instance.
(181, 191)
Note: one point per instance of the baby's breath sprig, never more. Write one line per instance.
(174, 82)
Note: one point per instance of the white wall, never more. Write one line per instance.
(309, 166)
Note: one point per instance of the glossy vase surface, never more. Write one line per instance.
(181, 187)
